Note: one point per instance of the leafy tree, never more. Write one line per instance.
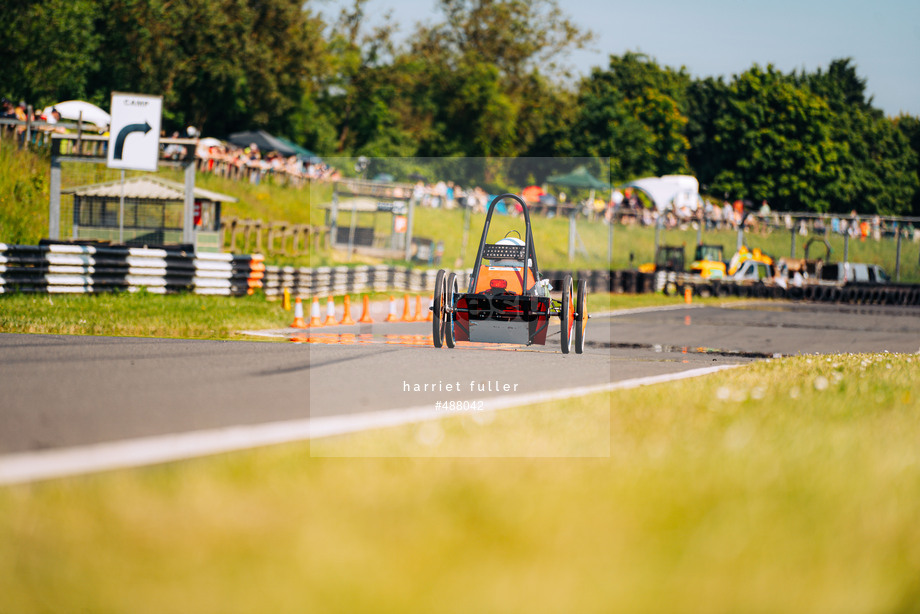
(874, 163)
(484, 71)
(775, 142)
(220, 65)
(706, 103)
(632, 112)
(910, 128)
(362, 95)
(49, 49)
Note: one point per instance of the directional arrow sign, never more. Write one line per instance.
(134, 137)
(123, 134)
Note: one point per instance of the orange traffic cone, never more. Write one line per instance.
(298, 315)
(419, 316)
(366, 314)
(688, 295)
(315, 322)
(330, 313)
(391, 317)
(430, 315)
(406, 316)
(346, 317)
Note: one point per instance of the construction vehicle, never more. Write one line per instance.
(667, 258)
(708, 262)
(743, 255)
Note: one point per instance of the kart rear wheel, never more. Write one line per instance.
(581, 317)
(567, 314)
(451, 291)
(438, 311)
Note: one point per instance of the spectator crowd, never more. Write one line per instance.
(251, 164)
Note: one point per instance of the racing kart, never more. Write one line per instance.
(507, 301)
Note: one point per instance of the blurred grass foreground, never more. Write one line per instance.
(748, 491)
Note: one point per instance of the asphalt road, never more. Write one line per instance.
(64, 391)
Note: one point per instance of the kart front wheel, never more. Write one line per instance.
(581, 317)
(567, 314)
(438, 309)
(451, 290)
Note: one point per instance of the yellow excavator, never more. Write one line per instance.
(708, 262)
(745, 254)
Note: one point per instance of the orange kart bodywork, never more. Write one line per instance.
(491, 277)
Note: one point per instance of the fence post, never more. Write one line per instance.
(897, 259)
(792, 248)
(572, 236)
(189, 231)
(610, 242)
(54, 188)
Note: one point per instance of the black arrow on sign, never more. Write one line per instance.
(123, 134)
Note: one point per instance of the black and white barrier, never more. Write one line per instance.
(850, 293)
(65, 268)
(307, 282)
(304, 282)
(86, 269)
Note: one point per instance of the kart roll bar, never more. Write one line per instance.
(529, 252)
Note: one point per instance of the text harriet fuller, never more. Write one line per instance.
(473, 386)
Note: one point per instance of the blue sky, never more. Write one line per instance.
(726, 37)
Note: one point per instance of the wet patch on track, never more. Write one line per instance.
(677, 349)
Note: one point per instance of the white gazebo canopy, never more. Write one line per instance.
(678, 191)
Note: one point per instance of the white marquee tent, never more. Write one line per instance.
(678, 191)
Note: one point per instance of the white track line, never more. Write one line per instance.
(48, 464)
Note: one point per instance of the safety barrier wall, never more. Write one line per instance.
(85, 269)
(66, 268)
(850, 293)
(322, 281)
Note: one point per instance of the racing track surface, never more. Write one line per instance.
(65, 391)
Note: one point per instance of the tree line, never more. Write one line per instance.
(487, 78)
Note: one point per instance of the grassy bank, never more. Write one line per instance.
(755, 492)
(23, 195)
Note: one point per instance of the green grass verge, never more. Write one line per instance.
(754, 492)
(140, 314)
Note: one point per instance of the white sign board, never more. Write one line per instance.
(134, 137)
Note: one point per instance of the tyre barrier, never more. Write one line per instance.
(63, 268)
(70, 268)
(306, 282)
(309, 282)
(855, 294)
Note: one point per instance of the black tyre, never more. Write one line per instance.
(438, 311)
(451, 291)
(581, 317)
(567, 315)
